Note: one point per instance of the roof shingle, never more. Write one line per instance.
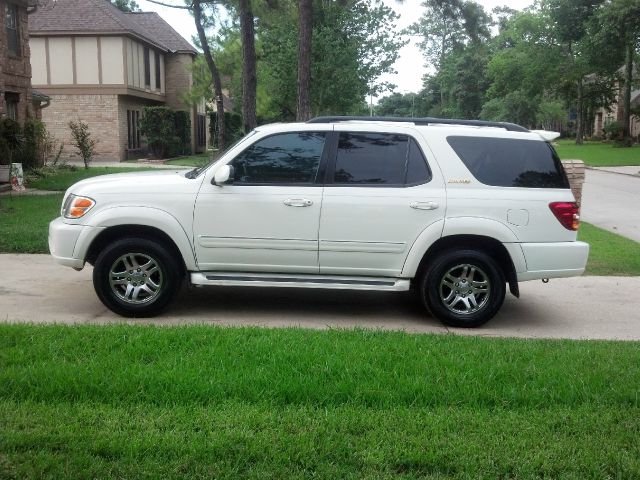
(100, 16)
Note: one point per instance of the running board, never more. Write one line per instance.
(235, 279)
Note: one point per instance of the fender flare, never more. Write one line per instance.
(457, 226)
(144, 216)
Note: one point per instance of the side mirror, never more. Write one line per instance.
(223, 175)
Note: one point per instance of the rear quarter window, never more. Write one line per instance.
(509, 162)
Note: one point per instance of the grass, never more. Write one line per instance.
(191, 161)
(63, 178)
(598, 154)
(24, 222)
(24, 225)
(200, 402)
(610, 254)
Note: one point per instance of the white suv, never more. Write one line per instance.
(456, 209)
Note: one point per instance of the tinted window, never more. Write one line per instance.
(507, 162)
(417, 170)
(371, 158)
(286, 158)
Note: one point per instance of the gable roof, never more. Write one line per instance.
(100, 16)
(162, 31)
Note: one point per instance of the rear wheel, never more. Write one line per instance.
(463, 288)
(136, 277)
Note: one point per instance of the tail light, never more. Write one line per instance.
(567, 214)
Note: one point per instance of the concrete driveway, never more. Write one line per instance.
(34, 289)
(611, 201)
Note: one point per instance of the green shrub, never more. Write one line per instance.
(612, 130)
(11, 140)
(32, 154)
(168, 132)
(82, 140)
(182, 123)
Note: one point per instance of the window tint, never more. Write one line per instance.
(417, 170)
(507, 162)
(371, 158)
(286, 158)
(379, 159)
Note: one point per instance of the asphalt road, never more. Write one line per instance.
(35, 289)
(612, 201)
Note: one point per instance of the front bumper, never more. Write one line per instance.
(554, 260)
(69, 243)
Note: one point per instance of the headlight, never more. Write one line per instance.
(76, 206)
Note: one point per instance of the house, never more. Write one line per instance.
(605, 116)
(17, 100)
(103, 66)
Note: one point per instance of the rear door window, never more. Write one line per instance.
(509, 162)
(384, 159)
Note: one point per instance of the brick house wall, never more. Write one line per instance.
(100, 112)
(15, 71)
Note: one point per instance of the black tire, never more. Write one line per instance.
(484, 282)
(150, 300)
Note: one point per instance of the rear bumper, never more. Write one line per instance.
(553, 260)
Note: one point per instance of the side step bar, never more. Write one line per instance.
(239, 279)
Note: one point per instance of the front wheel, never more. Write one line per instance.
(136, 277)
(463, 288)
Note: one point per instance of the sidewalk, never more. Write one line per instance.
(629, 170)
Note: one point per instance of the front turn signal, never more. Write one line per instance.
(77, 207)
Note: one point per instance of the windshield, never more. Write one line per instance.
(198, 170)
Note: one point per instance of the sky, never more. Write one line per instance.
(410, 66)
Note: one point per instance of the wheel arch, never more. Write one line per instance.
(488, 245)
(117, 232)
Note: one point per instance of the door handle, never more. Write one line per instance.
(297, 202)
(424, 205)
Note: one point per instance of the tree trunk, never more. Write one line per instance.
(215, 75)
(305, 24)
(580, 115)
(625, 101)
(249, 78)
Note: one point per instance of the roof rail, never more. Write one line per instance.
(512, 127)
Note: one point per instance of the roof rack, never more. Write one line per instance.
(512, 127)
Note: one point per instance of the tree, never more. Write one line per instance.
(448, 27)
(305, 26)
(351, 48)
(126, 5)
(620, 38)
(249, 75)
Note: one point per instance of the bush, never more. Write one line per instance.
(612, 130)
(85, 145)
(11, 141)
(168, 132)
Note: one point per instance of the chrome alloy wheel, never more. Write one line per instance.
(464, 289)
(135, 278)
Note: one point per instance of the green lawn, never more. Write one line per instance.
(192, 161)
(598, 154)
(63, 178)
(201, 402)
(610, 254)
(24, 222)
